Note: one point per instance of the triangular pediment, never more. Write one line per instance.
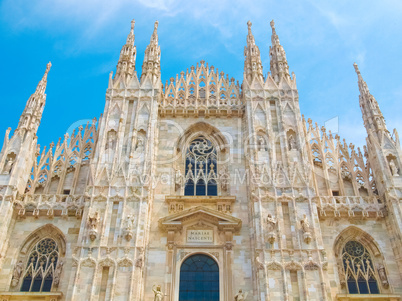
(222, 220)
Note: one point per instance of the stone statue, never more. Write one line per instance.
(261, 144)
(8, 166)
(383, 275)
(394, 169)
(272, 223)
(94, 220)
(292, 143)
(178, 179)
(128, 230)
(111, 140)
(129, 222)
(240, 296)
(57, 272)
(17, 273)
(224, 179)
(305, 225)
(157, 293)
(140, 146)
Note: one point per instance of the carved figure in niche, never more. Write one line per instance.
(240, 296)
(394, 169)
(138, 263)
(342, 277)
(158, 295)
(57, 272)
(8, 166)
(305, 225)
(383, 275)
(292, 143)
(178, 179)
(272, 223)
(111, 142)
(224, 179)
(128, 233)
(94, 220)
(140, 146)
(261, 144)
(129, 222)
(17, 273)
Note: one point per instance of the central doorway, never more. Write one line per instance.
(199, 279)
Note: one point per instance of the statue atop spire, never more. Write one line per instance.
(278, 63)
(372, 116)
(126, 64)
(152, 57)
(252, 58)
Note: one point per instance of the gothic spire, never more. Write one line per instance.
(126, 64)
(152, 57)
(279, 65)
(252, 59)
(32, 114)
(372, 116)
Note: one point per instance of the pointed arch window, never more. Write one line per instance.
(40, 268)
(201, 168)
(359, 269)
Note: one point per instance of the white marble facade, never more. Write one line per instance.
(201, 169)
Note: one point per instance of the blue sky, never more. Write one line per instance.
(83, 39)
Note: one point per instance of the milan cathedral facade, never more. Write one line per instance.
(201, 189)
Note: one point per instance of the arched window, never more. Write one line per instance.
(199, 279)
(40, 268)
(201, 168)
(359, 269)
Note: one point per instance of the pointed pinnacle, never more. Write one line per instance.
(249, 25)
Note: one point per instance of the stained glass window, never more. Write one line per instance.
(39, 271)
(199, 279)
(201, 168)
(359, 269)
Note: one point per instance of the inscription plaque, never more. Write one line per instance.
(200, 235)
